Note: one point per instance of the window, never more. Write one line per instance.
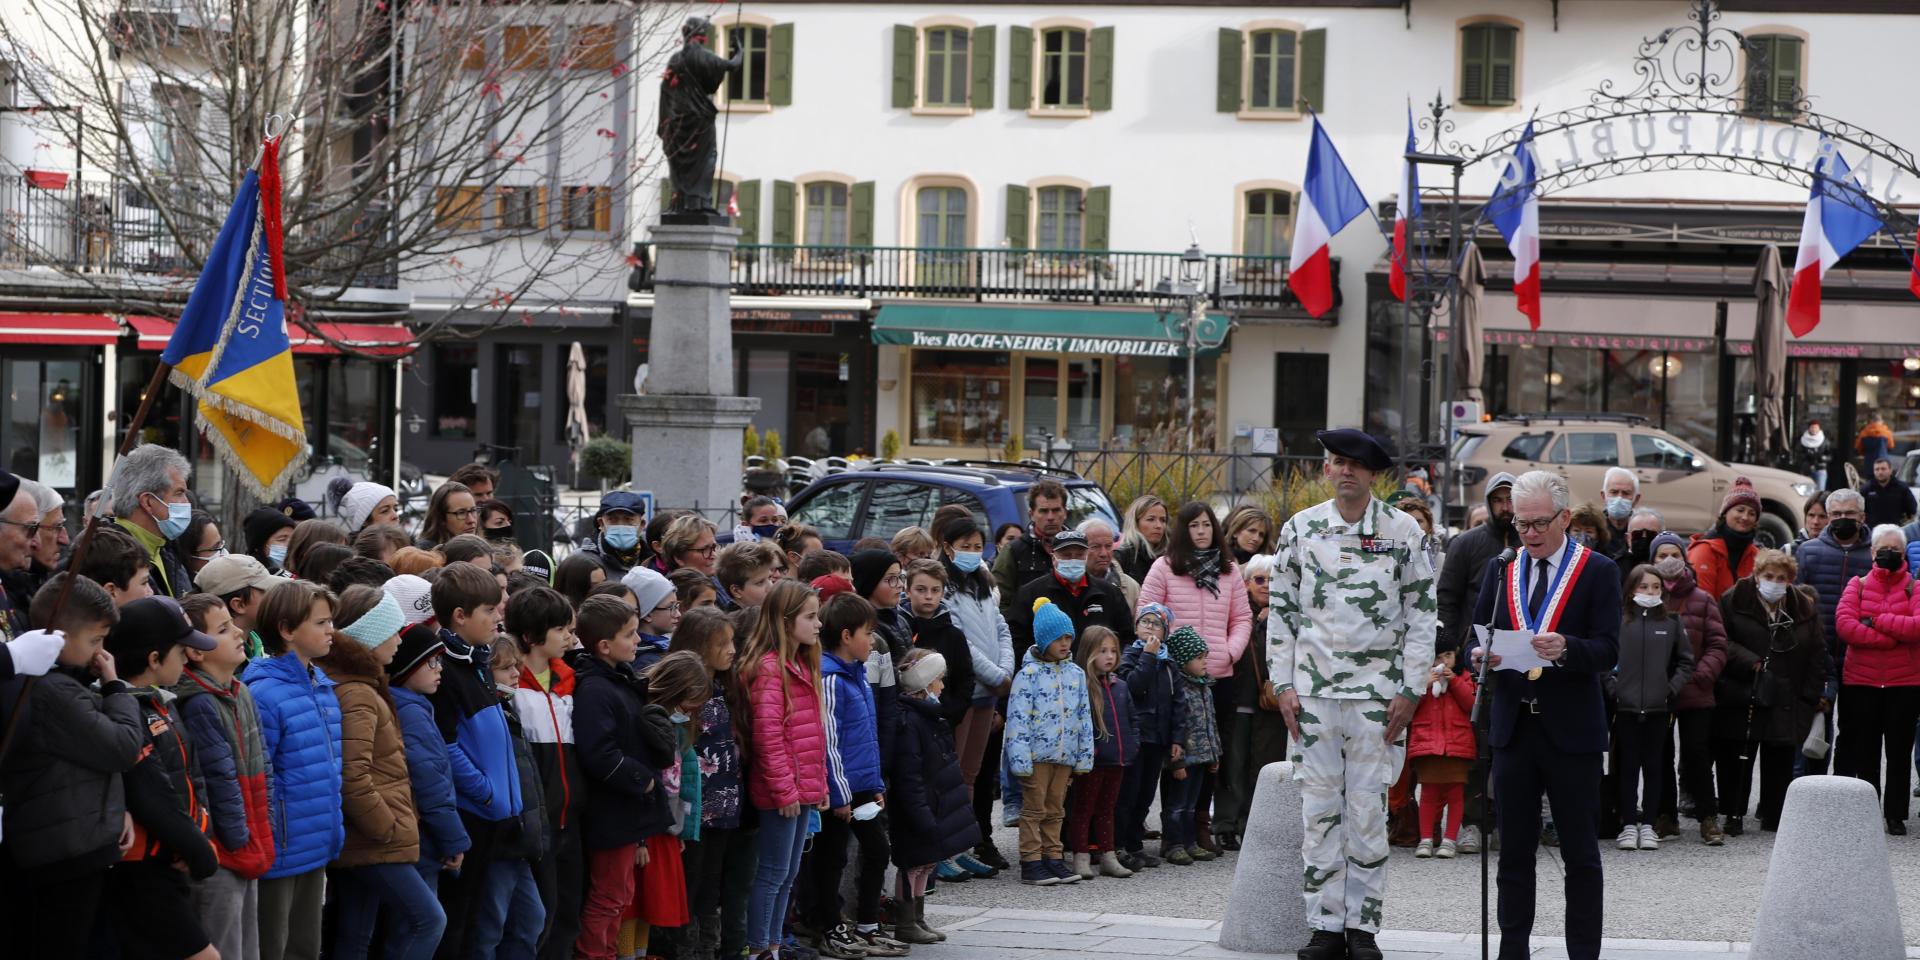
(456, 389)
(1773, 75)
(826, 216)
(833, 510)
(1084, 502)
(1058, 223)
(946, 80)
(1488, 57)
(587, 208)
(959, 398)
(1150, 402)
(1526, 446)
(749, 85)
(949, 496)
(174, 127)
(520, 208)
(941, 224)
(1274, 60)
(1263, 230)
(1659, 453)
(470, 48)
(1063, 76)
(526, 47)
(458, 208)
(896, 506)
(592, 46)
(1586, 450)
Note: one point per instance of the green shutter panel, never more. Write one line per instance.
(1786, 74)
(905, 39)
(666, 193)
(1100, 69)
(1226, 92)
(780, 65)
(783, 219)
(1018, 200)
(1313, 69)
(1500, 64)
(860, 207)
(1019, 68)
(1760, 59)
(1473, 65)
(747, 194)
(981, 97)
(1097, 217)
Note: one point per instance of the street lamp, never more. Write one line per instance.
(1191, 323)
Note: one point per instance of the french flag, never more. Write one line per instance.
(1405, 215)
(1515, 210)
(1839, 218)
(1329, 201)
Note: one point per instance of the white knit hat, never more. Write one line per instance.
(359, 502)
(414, 595)
(650, 589)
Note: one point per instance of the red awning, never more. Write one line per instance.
(384, 340)
(64, 329)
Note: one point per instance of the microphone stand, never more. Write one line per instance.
(1484, 745)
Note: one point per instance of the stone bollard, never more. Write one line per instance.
(1829, 885)
(1264, 912)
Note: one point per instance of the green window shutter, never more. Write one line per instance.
(860, 208)
(1098, 217)
(982, 68)
(1019, 198)
(783, 219)
(666, 193)
(1100, 69)
(1501, 64)
(1786, 74)
(1019, 68)
(905, 39)
(1473, 64)
(747, 195)
(780, 65)
(1761, 53)
(1313, 69)
(1226, 93)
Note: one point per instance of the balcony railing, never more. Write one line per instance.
(1093, 277)
(113, 228)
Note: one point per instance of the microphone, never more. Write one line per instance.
(1506, 556)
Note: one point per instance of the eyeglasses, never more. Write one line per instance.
(672, 607)
(32, 529)
(219, 550)
(1263, 581)
(1541, 525)
(463, 514)
(706, 551)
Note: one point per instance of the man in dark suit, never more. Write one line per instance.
(1549, 724)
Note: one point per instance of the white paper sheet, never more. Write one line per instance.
(1513, 647)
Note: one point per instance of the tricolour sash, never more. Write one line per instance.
(1571, 563)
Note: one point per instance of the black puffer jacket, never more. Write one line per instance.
(62, 777)
(928, 809)
(165, 792)
(1796, 667)
(623, 744)
(1159, 713)
(1656, 660)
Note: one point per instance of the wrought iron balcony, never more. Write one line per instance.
(1249, 284)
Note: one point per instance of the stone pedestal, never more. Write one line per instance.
(1265, 913)
(1829, 886)
(686, 428)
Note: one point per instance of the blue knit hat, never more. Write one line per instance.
(1156, 610)
(1050, 623)
(378, 625)
(1666, 537)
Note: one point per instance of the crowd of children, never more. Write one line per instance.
(440, 764)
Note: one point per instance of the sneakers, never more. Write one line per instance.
(948, 873)
(1423, 850)
(972, 864)
(1447, 849)
(1469, 839)
(1083, 865)
(1035, 873)
(1629, 837)
(1009, 814)
(841, 944)
(1710, 832)
(1110, 866)
(1061, 872)
(879, 945)
(1177, 856)
(1200, 853)
(1738, 825)
(1360, 946)
(989, 854)
(1649, 837)
(1145, 859)
(1325, 945)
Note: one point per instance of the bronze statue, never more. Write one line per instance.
(687, 113)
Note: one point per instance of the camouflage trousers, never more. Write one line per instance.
(1345, 767)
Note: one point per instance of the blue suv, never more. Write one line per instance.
(881, 501)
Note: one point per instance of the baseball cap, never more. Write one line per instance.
(538, 562)
(233, 573)
(1069, 538)
(153, 624)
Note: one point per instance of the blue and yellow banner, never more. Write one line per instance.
(230, 349)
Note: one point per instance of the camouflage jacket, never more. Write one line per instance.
(1353, 608)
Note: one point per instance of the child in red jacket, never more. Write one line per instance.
(1440, 747)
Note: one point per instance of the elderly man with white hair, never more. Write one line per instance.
(1622, 491)
(25, 652)
(43, 550)
(149, 489)
(1101, 539)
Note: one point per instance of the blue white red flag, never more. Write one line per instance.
(1515, 210)
(1839, 218)
(1329, 201)
(1405, 214)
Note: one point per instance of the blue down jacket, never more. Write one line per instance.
(300, 728)
(442, 835)
(853, 740)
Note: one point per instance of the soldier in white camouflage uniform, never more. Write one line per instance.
(1350, 633)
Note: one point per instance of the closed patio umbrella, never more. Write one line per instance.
(577, 428)
(1770, 351)
(1469, 353)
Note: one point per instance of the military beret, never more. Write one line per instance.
(1356, 445)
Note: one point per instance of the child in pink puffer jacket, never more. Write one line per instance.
(787, 769)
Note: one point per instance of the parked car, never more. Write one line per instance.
(1678, 480)
(883, 500)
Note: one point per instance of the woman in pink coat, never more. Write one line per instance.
(1201, 584)
(1879, 620)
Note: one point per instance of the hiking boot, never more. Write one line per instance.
(878, 944)
(840, 944)
(1177, 856)
(1061, 871)
(1423, 850)
(1033, 873)
(1710, 832)
(1360, 946)
(989, 854)
(1325, 945)
(1201, 854)
(1110, 866)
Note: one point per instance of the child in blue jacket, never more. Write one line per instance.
(414, 677)
(1049, 739)
(1161, 717)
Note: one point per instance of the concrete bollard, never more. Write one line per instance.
(1829, 886)
(1264, 912)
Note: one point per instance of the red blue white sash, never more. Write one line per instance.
(1571, 563)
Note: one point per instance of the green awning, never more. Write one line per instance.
(1113, 332)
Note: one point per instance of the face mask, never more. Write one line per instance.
(765, 531)
(1887, 559)
(1619, 508)
(1070, 570)
(277, 552)
(497, 534)
(968, 560)
(1845, 528)
(622, 537)
(1641, 541)
(1771, 591)
(933, 698)
(176, 522)
(678, 717)
(1670, 569)
(1648, 600)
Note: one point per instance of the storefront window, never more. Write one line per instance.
(1517, 380)
(1579, 380)
(1693, 396)
(1083, 402)
(1040, 413)
(456, 390)
(1816, 396)
(960, 398)
(1150, 403)
(1631, 384)
(41, 434)
(517, 413)
(1890, 388)
(355, 420)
